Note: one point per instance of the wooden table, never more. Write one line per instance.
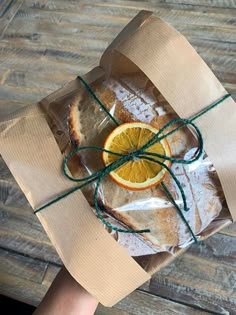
(45, 44)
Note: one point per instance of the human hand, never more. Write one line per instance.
(66, 297)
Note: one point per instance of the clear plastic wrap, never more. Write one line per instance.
(132, 97)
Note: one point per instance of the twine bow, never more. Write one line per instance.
(138, 154)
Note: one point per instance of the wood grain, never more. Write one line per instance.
(31, 32)
(145, 303)
(123, 7)
(8, 11)
(218, 248)
(201, 282)
(9, 106)
(21, 232)
(110, 311)
(230, 230)
(27, 268)
(35, 276)
(44, 44)
(52, 81)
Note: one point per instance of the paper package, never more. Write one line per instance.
(35, 140)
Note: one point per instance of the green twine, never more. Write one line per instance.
(140, 153)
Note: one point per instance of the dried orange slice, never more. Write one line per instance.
(137, 174)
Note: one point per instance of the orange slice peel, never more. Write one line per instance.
(137, 173)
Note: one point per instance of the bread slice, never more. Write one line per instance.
(134, 98)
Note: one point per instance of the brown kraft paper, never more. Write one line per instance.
(30, 150)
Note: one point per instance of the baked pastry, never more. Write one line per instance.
(134, 98)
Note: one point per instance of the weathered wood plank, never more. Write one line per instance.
(78, 36)
(226, 77)
(21, 232)
(41, 80)
(140, 303)
(118, 16)
(43, 27)
(207, 3)
(16, 63)
(218, 248)
(21, 266)
(9, 10)
(22, 94)
(213, 53)
(200, 6)
(101, 310)
(66, 64)
(18, 55)
(20, 286)
(78, 48)
(196, 17)
(11, 195)
(4, 6)
(8, 106)
(200, 282)
(219, 63)
(81, 37)
(21, 289)
(230, 230)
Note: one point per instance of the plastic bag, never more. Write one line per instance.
(132, 97)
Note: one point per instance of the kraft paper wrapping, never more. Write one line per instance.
(33, 156)
(87, 250)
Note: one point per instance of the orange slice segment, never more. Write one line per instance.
(137, 174)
